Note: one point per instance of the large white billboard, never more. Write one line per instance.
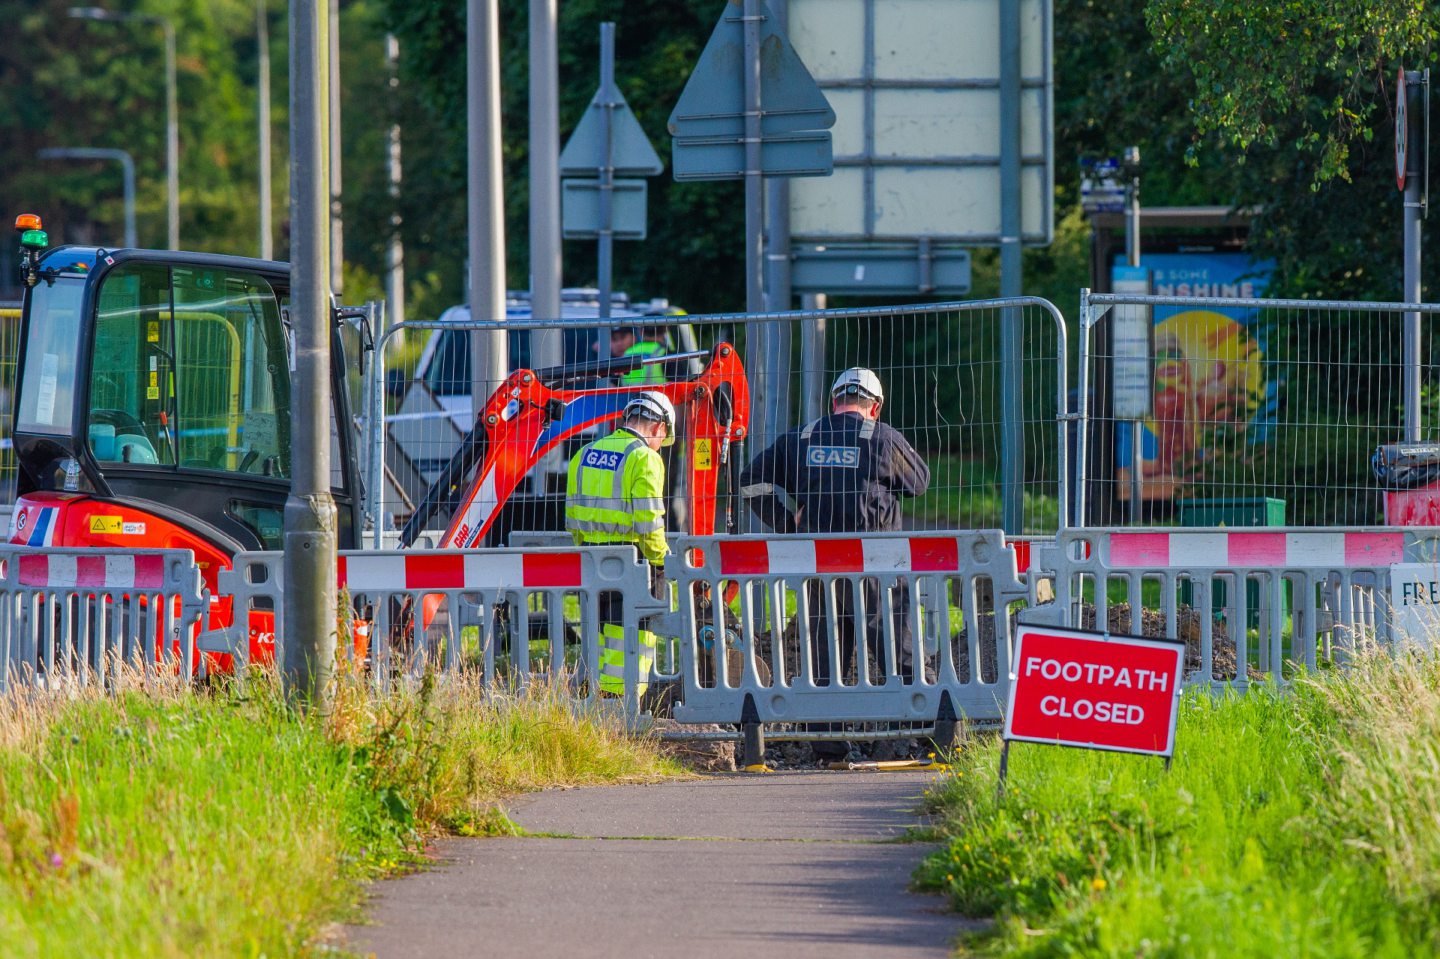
(915, 85)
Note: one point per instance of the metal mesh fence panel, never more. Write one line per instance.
(940, 366)
(1260, 412)
(9, 347)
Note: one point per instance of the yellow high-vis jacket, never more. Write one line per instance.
(615, 493)
(653, 375)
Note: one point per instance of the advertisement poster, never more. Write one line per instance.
(1213, 398)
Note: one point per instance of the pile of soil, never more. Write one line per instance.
(1188, 623)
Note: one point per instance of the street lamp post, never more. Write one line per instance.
(262, 37)
(127, 169)
(172, 128)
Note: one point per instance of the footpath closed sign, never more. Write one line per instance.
(1074, 687)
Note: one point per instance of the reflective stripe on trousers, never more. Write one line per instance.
(612, 659)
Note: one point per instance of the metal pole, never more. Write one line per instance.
(762, 389)
(1413, 208)
(1132, 258)
(546, 345)
(395, 249)
(127, 176)
(310, 597)
(1082, 424)
(375, 423)
(606, 251)
(778, 356)
(489, 351)
(1004, 769)
(172, 140)
(127, 186)
(337, 222)
(754, 198)
(812, 358)
(262, 38)
(1012, 441)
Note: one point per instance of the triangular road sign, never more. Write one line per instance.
(630, 150)
(712, 103)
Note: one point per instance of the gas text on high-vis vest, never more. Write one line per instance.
(603, 459)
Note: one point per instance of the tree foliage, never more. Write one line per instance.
(1242, 104)
(1281, 105)
(1296, 74)
(80, 83)
(694, 247)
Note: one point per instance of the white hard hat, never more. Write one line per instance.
(653, 406)
(858, 380)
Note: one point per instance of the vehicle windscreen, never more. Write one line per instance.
(48, 404)
(190, 371)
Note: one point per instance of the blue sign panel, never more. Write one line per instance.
(708, 122)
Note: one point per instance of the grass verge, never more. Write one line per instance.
(170, 823)
(1306, 824)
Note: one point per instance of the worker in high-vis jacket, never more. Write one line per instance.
(644, 342)
(615, 493)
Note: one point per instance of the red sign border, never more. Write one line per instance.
(1402, 132)
(1093, 634)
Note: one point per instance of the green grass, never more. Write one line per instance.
(1295, 825)
(215, 824)
(965, 493)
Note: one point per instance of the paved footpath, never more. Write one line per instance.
(792, 865)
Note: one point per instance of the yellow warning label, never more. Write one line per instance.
(154, 378)
(702, 455)
(152, 392)
(152, 332)
(107, 525)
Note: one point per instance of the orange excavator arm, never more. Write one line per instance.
(533, 412)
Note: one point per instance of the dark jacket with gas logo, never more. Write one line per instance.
(840, 474)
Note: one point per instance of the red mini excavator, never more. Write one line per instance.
(152, 410)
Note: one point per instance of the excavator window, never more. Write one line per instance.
(132, 369)
(48, 402)
(189, 371)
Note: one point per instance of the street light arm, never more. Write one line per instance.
(83, 153)
(117, 16)
(127, 171)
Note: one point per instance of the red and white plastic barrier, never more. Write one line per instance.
(915, 554)
(1308, 548)
(72, 617)
(745, 626)
(1298, 595)
(410, 571)
(103, 571)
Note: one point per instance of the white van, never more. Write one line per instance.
(435, 408)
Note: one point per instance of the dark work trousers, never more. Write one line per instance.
(874, 614)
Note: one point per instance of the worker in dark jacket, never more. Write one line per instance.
(843, 473)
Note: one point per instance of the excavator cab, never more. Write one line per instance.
(153, 411)
(153, 403)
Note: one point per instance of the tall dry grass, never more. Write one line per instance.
(1384, 799)
(450, 749)
(171, 821)
(27, 713)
